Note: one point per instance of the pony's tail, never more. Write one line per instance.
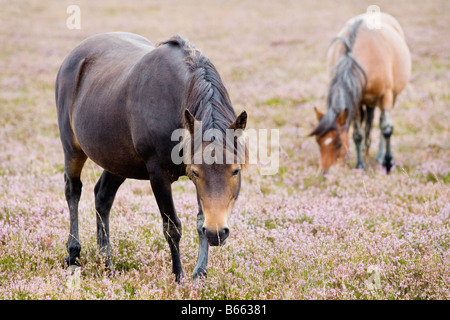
(350, 41)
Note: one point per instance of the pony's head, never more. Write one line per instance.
(214, 166)
(333, 139)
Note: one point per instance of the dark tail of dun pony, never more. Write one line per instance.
(368, 67)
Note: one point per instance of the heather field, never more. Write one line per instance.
(294, 235)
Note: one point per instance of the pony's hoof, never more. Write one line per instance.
(68, 262)
(110, 270)
(199, 273)
(178, 277)
(73, 268)
(109, 265)
(388, 163)
(360, 165)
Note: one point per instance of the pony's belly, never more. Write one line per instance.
(112, 153)
(126, 168)
(370, 99)
(107, 140)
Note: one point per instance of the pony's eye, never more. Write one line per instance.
(194, 173)
(236, 172)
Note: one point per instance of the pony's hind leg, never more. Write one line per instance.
(73, 186)
(105, 191)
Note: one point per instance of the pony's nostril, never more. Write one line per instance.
(216, 237)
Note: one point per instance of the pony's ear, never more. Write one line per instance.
(189, 121)
(319, 114)
(341, 119)
(240, 122)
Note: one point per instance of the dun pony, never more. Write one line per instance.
(368, 67)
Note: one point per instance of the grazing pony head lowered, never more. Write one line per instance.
(213, 148)
(344, 94)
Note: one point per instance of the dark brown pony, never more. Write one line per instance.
(369, 66)
(119, 99)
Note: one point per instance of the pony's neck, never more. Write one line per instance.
(207, 98)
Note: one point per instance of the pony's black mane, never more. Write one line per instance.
(206, 96)
(346, 86)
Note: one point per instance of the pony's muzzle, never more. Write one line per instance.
(216, 237)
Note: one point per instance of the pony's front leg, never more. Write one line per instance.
(202, 260)
(387, 128)
(162, 190)
(369, 121)
(357, 138)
